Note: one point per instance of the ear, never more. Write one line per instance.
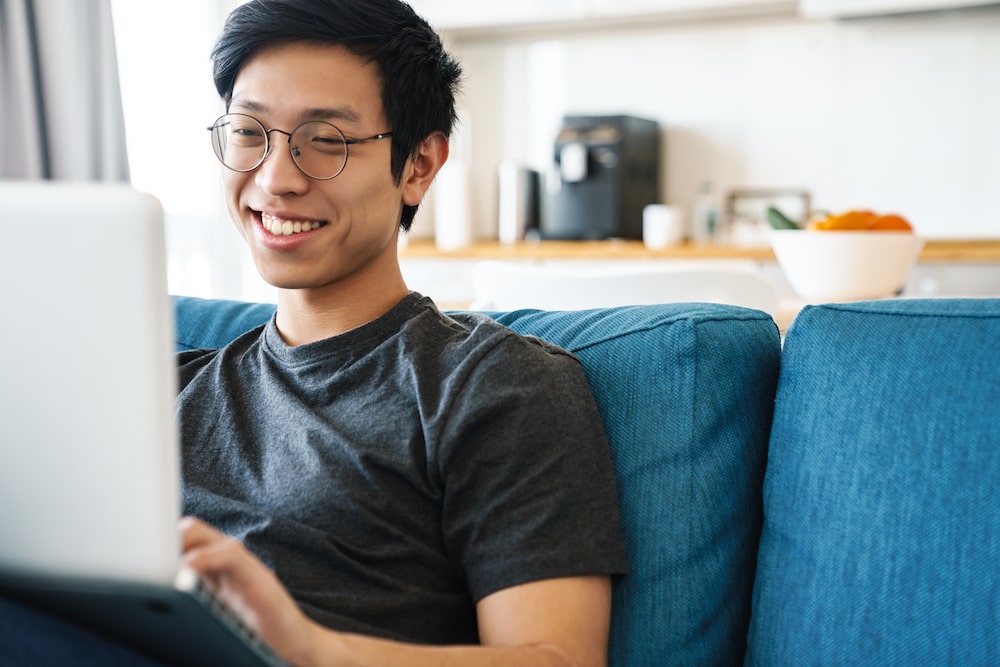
(423, 167)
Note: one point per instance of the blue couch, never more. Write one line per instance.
(828, 501)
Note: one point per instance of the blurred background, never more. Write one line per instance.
(892, 105)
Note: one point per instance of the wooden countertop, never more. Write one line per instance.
(934, 251)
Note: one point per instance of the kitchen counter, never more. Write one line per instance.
(953, 251)
(946, 267)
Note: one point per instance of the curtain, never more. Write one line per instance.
(60, 101)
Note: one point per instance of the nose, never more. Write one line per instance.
(278, 174)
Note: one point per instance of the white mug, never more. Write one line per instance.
(662, 226)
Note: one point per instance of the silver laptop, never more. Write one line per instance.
(89, 455)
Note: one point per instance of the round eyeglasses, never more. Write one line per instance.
(318, 148)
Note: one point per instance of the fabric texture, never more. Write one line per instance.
(881, 537)
(685, 392)
(396, 474)
(211, 324)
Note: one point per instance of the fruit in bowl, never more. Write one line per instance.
(847, 257)
(860, 221)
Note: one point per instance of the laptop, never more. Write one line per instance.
(89, 457)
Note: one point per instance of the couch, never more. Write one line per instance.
(826, 498)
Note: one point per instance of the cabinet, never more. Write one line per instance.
(855, 8)
(667, 8)
(465, 15)
(462, 15)
(946, 268)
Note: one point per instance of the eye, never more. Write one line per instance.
(320, 138)
(246, 133)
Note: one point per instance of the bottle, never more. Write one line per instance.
(705, 221)
(452, 216)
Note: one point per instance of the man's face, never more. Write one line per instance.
(350, 223)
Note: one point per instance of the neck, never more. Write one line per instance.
(309, 315)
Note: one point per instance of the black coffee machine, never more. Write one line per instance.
(607, 169)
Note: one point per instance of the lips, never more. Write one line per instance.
(283, 227)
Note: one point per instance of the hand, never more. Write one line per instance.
(251, 590)
(556, 621)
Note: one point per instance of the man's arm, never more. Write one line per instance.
(554, 622)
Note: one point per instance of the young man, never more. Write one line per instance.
(368, 481)
(409, 479)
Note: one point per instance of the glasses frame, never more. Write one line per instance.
(268, 144)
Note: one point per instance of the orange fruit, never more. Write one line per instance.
(890, 222)
(854, 220)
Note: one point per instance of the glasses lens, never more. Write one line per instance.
(240, 142)
(319, 149)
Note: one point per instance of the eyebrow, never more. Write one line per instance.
(315, 113)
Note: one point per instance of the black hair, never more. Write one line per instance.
(419, 79)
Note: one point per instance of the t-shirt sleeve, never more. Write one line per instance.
(190, 363)
(530, 489)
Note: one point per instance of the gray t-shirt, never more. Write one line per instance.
(394, 475)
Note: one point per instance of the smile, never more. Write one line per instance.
(280, 227)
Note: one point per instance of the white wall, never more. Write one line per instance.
(899, 113)
(895, 114)
(169, 100)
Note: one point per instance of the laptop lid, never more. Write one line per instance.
(89, 450)
(89, 462)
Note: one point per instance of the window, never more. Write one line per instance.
(169, 100)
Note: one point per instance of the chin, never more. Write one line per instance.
(280, 279)
(286, 282)
(293, 280)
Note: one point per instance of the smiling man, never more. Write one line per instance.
(376, 482)
(369, 481)
(323, 232)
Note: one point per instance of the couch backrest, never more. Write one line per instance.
(881, 538)
(686, 392)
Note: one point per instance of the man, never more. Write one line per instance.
(409, 479)
(376, 483)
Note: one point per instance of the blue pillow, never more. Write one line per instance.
(881, 538)
(212, 323)
(686, 392)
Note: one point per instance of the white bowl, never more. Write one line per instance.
(845, 266)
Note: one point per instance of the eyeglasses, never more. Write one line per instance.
(318, 148)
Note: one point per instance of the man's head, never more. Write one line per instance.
(419, 80)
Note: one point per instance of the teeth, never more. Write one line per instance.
(280, 227)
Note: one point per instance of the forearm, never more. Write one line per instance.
(350, 650)
(547, 623)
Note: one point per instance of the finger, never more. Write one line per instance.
(195, 532)
(207, 551)
(220, 555)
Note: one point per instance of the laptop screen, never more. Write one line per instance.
(89, 463)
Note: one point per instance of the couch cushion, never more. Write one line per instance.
(881, 537)
(212, 323)
(686, 393)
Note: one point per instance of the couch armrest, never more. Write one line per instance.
(881, 536)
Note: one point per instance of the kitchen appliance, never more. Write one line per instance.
(606, 170)
(518, 207)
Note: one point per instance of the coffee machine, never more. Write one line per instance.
(606, 170)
